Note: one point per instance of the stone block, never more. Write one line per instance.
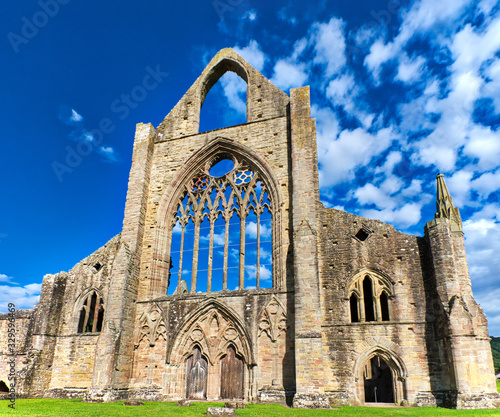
(220, 411)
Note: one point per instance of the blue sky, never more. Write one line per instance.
(400, 90)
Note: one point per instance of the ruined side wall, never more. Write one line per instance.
(407, 337)
(92, 272)
(24, 329)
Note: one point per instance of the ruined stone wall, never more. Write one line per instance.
(59, 357)
(24, 329)
(407, 338)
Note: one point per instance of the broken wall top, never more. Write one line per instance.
(264, 99)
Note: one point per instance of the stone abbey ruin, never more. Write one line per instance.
(231, 280)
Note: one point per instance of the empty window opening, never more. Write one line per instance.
(97, 267)
(3, 387)
(222, 233)
(368, 299)
(362, 235)
(221, 168)
(384, 306)
(91, 314)
(225, 104)
(353, 301)
(378, 381)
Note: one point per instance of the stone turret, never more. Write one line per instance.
(462, 326)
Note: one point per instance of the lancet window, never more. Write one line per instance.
(91, 314)
(369, 299)
(222, 230)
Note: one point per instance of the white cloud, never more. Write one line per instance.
(265, 273)
(415, 189)
(234, 90)
(459, 185)
(75, 117)
(251, 15)
(470, 48)
(23, 297)
(410, 70)
(252, 54)
(484, 144)
(327, 125)
(341, 157)
(422, 16)
(487, 184)
(394, 158)
(108, 153)
(329, 45)
(5, 278)
(482, 242)
(289, 74)
(405, 216)
(219, 238)
(251, 230)
(369, 194)
(491, 87)
(343, 91)
(379, 54)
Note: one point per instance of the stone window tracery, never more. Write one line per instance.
(369, 299)
(91, 314)
(222, 230)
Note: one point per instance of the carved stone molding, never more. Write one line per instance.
(151, 326)
(273, 320)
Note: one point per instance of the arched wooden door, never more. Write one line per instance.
(231, 375)
(196, 376)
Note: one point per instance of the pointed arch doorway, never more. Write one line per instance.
(231, 375)
(196, 376)
(378, 381)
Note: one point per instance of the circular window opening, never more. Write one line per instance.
(221, 168)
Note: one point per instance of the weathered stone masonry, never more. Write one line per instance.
(242, 285)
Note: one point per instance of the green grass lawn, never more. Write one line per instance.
(69, 408)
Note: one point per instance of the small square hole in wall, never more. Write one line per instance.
(97, 267)
(362, 235)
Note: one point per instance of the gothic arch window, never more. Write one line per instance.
(384, 306)
(91, 313)
(222, 229)
(354, 306)
(369, 298)
(226, 83)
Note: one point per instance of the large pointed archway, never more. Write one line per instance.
(380, 376)
(212, 347)
(378, 381)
